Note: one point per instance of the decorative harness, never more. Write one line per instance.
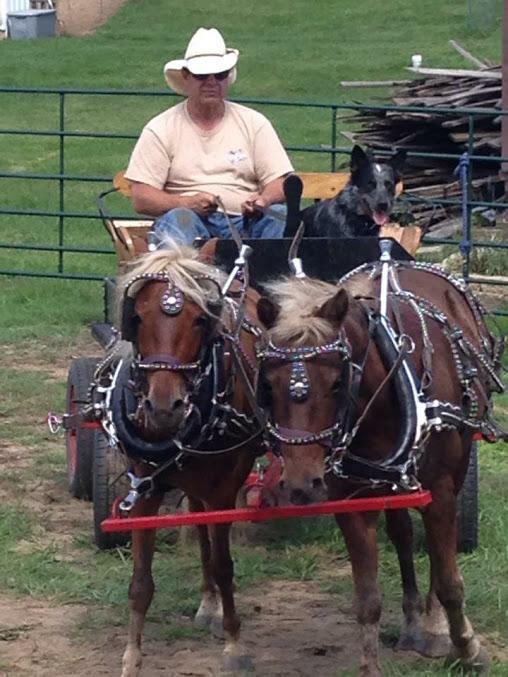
(419, 414)
(208, 419)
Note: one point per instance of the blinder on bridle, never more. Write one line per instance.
(299, 389)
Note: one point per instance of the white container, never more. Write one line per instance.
(416, 61)
(31, 23)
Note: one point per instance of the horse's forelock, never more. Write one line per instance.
(183, 266)
(298, 300)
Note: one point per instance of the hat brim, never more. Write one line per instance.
(200, 65)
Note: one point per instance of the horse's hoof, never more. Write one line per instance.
(410, 642)
(477, 665)
(216, 627)
(434, 646)
(203, 621)
(236, 666)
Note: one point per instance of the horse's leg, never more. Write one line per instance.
(441, 529)
(235, 658)
(399, 527)
(436, 632)
(141, 587)
(210, 608)
(360, 535)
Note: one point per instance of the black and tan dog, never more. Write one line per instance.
(364, 205)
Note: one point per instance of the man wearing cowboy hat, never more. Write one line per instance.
(206, 147)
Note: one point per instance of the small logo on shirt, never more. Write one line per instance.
(236, 156)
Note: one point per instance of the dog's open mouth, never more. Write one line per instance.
(380, 218)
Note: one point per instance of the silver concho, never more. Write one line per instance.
(299, 385)
(172, 300)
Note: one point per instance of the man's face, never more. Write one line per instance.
(206, 89)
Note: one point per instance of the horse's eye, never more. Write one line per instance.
(337, 385)
(201, 321)
(265, 392)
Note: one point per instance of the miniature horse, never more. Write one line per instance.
(338, 396)
(179, 321)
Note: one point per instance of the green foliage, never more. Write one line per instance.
(279, 60)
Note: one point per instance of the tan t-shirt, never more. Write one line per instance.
(233, 160)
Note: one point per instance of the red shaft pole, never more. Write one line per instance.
(417, 498)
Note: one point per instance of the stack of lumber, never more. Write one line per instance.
(431, 131)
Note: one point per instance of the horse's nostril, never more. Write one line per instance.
(317, 483)
(148, 405)
(299, 497)
(177, 404)
(282, 485)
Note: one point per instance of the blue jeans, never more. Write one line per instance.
(185, 226)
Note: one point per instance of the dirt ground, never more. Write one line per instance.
(291, 629)
(80, 17)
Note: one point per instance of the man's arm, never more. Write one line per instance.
(155, 202)
(271, 194)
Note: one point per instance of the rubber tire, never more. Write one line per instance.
(79, 441)
(108, 463)
(467, 506)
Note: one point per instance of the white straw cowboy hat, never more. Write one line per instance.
(206, 53)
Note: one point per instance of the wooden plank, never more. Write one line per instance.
(458, 73)
(122, 184)
(373, 83)
(408, 236)
(467, 55)
(322, 185)
(325, 185)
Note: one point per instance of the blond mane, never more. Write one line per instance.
(182, 265)
(299, 299)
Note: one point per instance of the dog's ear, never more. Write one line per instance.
(398, 160)
(359, 158)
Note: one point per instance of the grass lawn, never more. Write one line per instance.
(287, 52)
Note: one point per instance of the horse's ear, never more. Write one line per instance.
(359, 158)
(334, 310)
(398, 160)
(207, 251)
(268, 311)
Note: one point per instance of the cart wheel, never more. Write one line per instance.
(109, 484)
(467, 506)
(79, 442)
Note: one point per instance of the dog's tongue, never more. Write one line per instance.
(380, 218)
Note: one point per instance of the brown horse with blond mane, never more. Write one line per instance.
(184, 419)
(374, 386)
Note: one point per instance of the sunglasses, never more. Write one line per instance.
(218, 76)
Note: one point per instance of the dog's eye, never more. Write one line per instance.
(389, 185)
(371, 185)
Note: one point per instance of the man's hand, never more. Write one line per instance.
(255, 203)
(202, 203)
